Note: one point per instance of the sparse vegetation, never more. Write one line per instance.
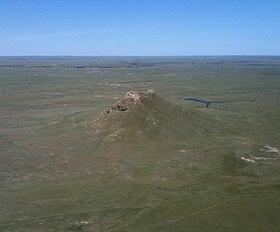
(163, 164)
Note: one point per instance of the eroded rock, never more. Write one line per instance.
(130, 98)
(117, 108)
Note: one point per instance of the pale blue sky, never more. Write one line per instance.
(139, 27)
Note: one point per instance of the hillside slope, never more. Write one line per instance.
(148, 115)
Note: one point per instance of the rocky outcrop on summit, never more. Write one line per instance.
(135, 97)
(130, 98)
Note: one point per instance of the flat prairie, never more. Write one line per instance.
(164, 164)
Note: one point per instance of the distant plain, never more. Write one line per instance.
(192, 169)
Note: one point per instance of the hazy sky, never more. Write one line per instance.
(139, 27)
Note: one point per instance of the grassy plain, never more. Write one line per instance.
(170, 165)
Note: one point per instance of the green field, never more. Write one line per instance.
(164, 165)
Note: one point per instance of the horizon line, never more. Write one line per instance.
(267, 55)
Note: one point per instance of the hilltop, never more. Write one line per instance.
(146, 115)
